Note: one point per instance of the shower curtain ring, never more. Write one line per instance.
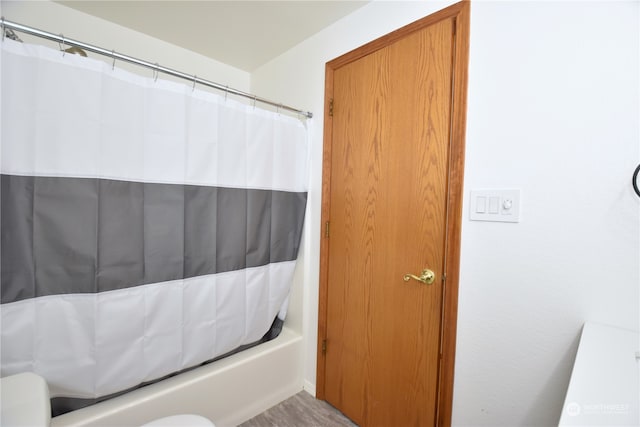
(226, 92)
(113, 56)
(61, 45)
(254, 101)
(194, 83)
(4, 31)
(155, 73)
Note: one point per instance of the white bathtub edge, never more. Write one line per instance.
(228, 392)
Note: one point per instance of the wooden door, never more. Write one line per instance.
(392, 191)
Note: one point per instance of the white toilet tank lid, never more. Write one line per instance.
(24, 401)
(186, 420)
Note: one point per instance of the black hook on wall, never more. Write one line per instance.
(634, 181)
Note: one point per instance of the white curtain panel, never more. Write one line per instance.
(147, 227)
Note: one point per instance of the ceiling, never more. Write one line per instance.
(243, 34)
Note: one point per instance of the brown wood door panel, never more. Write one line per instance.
(387, 195)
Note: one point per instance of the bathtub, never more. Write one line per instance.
(228, 391)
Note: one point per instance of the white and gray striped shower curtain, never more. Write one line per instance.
(146, 226)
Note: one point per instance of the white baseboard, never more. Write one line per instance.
(309, 387)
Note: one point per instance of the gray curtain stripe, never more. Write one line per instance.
(84, 235)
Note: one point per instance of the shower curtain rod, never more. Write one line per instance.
(157, 68)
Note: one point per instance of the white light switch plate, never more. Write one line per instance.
(495, 205)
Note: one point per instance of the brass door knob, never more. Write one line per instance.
(427, 277)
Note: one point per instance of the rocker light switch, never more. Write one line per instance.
(494, 202)
(481, 205)
(495, 205)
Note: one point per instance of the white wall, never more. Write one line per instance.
(55, 18)
(554, 110)
(554, 106)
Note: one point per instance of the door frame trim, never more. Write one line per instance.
(460, 12)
